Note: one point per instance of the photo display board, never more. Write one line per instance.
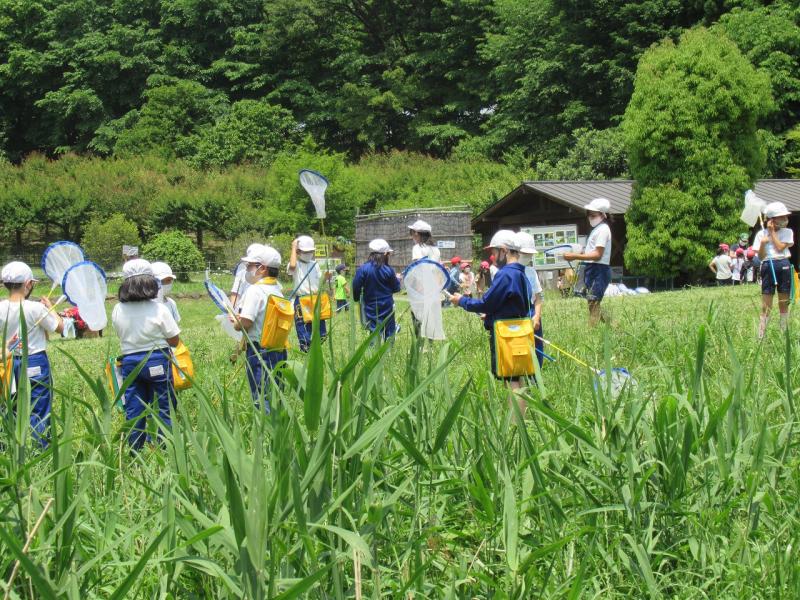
(549, 236)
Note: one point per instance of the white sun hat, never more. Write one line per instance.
(600, 205)
(17, 272)
(380, 245)
(776, 209)
(505, 238)
(305, 244)
(526, 243)
(137, 266)
(263, 255)
(162, 270)
(420, 225)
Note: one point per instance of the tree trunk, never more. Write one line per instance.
(18, 238)
(199, 239)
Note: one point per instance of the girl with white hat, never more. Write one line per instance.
(262, 267)
(773, 244)
(163, 273)
(423, 243)
(40, 320)
(240, 284)
(596, 256)
(373, 285)
(306, 275)
(146, 332)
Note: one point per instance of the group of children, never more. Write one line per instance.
(146, 319)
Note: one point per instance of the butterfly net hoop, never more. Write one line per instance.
(84, 285)
(59, 257)
(424, 281)
(315, 184)
(616, 380)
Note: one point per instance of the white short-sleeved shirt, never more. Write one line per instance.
(143, 326)
(173, 309)
(493, 270)
(723, 264)
(311, 283)
(240, 284)
(37, 338)
(254, 306)
(600, 237)
(736, 268)
(425, 251)
(785, 235)
(533, 278)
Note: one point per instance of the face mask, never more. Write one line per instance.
(781, 223)
(305, 256)
(595, 220)
(251, 276)
(166, 288)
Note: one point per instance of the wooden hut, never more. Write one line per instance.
(451, 232)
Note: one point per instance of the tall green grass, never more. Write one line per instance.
(385, 472)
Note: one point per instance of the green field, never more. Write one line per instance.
(388, 473)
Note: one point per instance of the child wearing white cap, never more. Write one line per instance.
(373, 285)
(596, 256)
(262, 266)
(527, 249)
(240, 284)
(40, 320)
(163, 273)
(306, 276)
(423, 243)
(146, 331)
(773, 246)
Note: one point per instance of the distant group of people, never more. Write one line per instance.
(736, 264)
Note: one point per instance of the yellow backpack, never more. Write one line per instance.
(6, 372)
(182, 367)
(514, 347)
(277, 323)
(308, 303)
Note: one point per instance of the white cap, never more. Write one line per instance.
(420, 225)
(505, 238)
(380, 245)
(17, 272)
(263, 255)
(526, 243)
(161, 271)
(305, 244)
(253, 248)
(137, 266)
(776, 209)
(600, 205)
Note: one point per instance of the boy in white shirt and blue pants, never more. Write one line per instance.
(773, 244)
(147, 331)
(306, 276)
(40, 320)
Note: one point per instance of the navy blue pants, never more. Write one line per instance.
(597, 278)
(304, 329)
(260, 364)
(152, 387)
(41, 382)
(782, 272)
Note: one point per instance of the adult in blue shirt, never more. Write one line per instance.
(509, 296)
(373, 285)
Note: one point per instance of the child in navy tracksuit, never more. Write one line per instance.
(146, 332)
(40, 320)
(373, 285)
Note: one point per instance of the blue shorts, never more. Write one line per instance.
(597, 278)
(783, 273)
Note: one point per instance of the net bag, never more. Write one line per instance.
(315, 184)
(424, 281)
(58, 258)
(223, 304)
(753, 206)
(84, 286)
(617, 380)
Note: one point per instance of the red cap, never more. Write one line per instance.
(724, 247)
(750, 253)
(491, 259)
(740, 252)
(464, 265)
(455, 260)
(484, 264)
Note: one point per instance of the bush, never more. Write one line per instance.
(177, 250)
(103, 239)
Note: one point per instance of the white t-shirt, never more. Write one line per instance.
(600, 237)
(425, 251)
(785, 235)
(254, 306)
(736, 268)
(533, 277)
(240, 284)
(493, 270)
(311, 283)
(173, 309)
(143, 326)
(37, 339)
(723, 264)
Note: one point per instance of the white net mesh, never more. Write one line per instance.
(424, 281)
(315, 184)
(619, 379)
(59, 257)
(753, 205)
(84, 285)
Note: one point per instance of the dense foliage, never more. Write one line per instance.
(693, 146)
(227, 82)
(177, 250)
(103, 239)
